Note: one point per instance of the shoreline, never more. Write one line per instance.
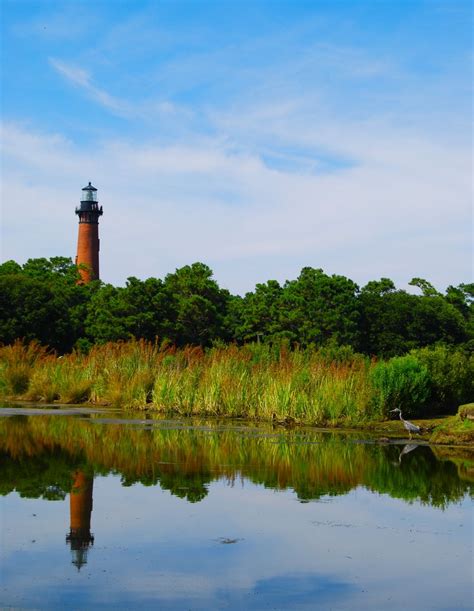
(444, 430)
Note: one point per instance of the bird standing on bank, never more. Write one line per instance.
(410, 427)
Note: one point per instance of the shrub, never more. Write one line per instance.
(451, 373)
(401, 382)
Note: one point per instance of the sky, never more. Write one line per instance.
(257, 137)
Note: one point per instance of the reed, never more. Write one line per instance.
(17, 363)
(253, 381)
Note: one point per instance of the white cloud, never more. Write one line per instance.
(402, 210)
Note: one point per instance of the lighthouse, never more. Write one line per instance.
(88, 242)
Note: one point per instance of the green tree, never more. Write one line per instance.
(462, 298)
(318, 308)
(394, 322)
(27, 310)
(41, 300)
(52, 270)
(258, 314)
(124, 313)
(426, 287)
(10, 268)
(193, 306)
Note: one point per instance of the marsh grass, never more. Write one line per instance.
(253, 381)
(17, 364)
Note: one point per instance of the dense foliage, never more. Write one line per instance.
(42, 301)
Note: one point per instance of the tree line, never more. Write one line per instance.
(42, 300)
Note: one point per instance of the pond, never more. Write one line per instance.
(101, 510)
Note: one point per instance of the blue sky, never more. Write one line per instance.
(258, 137)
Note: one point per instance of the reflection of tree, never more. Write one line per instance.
(40, 453)
(32, 463)
(189, 486)
(419, 476)
(47, 475)
(185, 485)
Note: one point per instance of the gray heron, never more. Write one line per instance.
(410, 427)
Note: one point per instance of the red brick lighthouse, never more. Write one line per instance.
(88, 242)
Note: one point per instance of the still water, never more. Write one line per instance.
(98, 510)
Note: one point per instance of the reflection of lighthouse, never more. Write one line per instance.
(80, 537)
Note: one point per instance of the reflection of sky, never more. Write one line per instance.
(152, 549)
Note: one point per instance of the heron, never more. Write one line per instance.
(410, 427)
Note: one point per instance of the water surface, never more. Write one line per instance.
(99, 510)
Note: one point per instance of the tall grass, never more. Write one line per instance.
(17, 363)
(253, 381)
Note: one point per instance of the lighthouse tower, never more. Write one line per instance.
(88, 238)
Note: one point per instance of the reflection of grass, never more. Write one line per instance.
(184, 461)
(462, 457)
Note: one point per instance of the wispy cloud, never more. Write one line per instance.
(82, 79)
(146, 110)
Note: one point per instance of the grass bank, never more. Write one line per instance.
(330, 385)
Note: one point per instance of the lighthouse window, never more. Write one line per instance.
(89, 196)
